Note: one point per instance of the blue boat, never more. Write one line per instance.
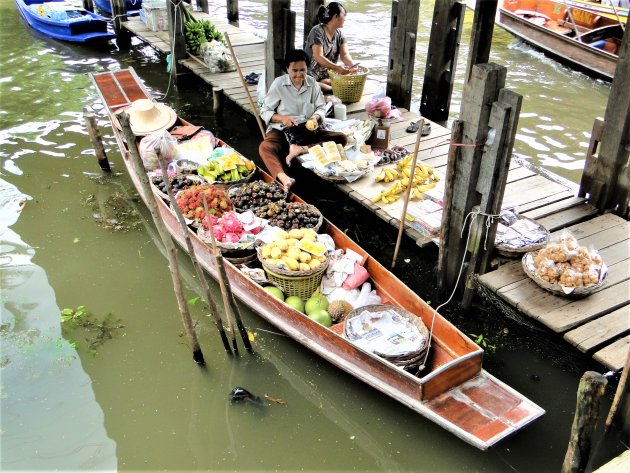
(65, 21)
(133, 6)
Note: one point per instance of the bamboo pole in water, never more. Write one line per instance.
(191, 252)
(226, 290)
(171, 251)
(620, 394)
(403, 216)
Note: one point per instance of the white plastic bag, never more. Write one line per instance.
(217, 57)
(261, 91)
(162, 140)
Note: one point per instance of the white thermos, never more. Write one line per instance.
(340, 111)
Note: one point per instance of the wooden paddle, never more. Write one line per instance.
(403, 216)
(249, 96)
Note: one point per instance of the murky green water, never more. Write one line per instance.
(137, 402)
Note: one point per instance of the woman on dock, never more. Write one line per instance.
(292, 110)
(326, 44)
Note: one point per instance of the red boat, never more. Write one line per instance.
(453, 391)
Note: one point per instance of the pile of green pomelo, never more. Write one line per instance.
(315, 307)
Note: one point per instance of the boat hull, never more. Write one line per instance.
(579, 55)
(456, 393)
(92, 28)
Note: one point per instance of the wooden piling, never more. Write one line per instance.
(441, 62)
(402, 51)
(232, 12)
(205, 288)
(590, 391)
(218, 100)
(89, 120)
(310, 16)
(119, 14)
(608, 182)
(88, 5)
(171, 251)
(621, 396)
(203, 5)
(481, 36)
(280, 38)
(176, 34)
(479, 95)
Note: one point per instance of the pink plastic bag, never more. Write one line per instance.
(382, 108)
(359, 276)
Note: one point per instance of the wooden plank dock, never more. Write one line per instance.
(535, 195)
(598, 324)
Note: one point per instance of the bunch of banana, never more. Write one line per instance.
(423, 171)
(417, 191)
(387, 175)
(392, 194)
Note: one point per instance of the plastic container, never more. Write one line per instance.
(154, 15)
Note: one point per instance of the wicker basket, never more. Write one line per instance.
(557, 289)
(295, 283)
(412, 362)
(349, 88)
(198, 179)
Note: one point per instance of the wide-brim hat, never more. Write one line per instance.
(146, 117)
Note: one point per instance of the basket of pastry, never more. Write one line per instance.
(331, 162)
(565, 268)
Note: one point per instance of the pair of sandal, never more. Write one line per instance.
(252, 78)
(413, 127)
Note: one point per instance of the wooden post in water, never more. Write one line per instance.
(479, 95)
(171, 251)
(607, 176)
(280, 38)
(232, 12)
(88, 5)
(402, 51)
(205, 289)
(441, 63)
(310, 16)
(590, 391)
(95, 137)
(176, 34)
(493, 171)
(218, 100)
(119, 14)
(481, 37)
(203, 5)
(621, 396)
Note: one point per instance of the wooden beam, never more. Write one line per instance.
(481, 36)
(280, 38)
(441, 63)
(119, 14)
(176, 34)
(310, 17)
(232, 12)
(402, 51)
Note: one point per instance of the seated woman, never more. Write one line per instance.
(326, 44)
(292, 109)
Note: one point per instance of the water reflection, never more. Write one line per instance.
(50, 417)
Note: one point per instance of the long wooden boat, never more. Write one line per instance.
(604, 8)
(453, 391)
(64, 21)
(583, 39)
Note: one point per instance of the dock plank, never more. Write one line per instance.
(600, 331)
(567, 217)
(614, 356)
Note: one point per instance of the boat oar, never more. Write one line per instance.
(249, 96)
(171, 251)
(231, 308)
(218, 322)
(403, 217)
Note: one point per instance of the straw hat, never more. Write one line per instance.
(146, 117)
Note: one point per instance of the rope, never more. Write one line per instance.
(474, 215)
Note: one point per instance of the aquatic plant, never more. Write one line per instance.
(80, 321)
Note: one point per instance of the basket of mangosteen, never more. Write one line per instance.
(252, 195)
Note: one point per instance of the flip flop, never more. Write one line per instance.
(413, 127)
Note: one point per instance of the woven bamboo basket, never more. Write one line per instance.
(294, 283)
(412, 362)
(198, 179)
(349, 88)
(575, 293)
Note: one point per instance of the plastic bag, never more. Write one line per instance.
(164, 142)
(357, 278)
(198, 148)
(261, 91)
(217, 57)
(379, 108)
